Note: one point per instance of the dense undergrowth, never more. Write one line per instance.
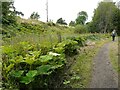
(33, 53)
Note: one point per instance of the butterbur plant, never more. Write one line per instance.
(24, 69)
(29, 65)
(67, 47)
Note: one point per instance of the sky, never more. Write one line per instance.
(66, 9)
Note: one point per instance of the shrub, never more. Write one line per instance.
(51, 24)
(81, 40)
(80, 29)
(25, 66)
(69, 47)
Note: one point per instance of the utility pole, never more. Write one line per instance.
(47, 9)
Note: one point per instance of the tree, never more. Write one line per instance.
(81, 17)
(9, 13)
(61, 21)
(8, 16)
(72, 23)
(116, 20)
(103, 17)
(91, 27)
(19, 13)
(35, 16)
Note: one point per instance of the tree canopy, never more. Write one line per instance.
(72, 23)
(9, 13)
(106, 18)
(81, 18)
(61, 21)
(35, 15)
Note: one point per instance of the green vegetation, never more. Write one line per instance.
(72, 23)
(79, 73)
(106, 18)
(81, 18)
(42, 55)
(8, 13)
(80, 29)
(35, 15)
(28, 63)
(61, 21)
(114, 55)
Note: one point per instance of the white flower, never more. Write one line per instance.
(54, 54)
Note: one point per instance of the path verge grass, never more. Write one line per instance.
(79, 74)
(114, 55)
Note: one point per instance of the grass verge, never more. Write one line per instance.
(79, 74)
(114, 55)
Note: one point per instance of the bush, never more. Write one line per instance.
(51, 24)
(79, 39)
(68, 47)
(80, 29)
(24, 66)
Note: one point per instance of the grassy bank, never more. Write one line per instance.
(34, 54)
(79, 74)
(114, 55)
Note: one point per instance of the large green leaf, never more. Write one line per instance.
(12, 61)
(62, 44)
(26, 80)
(9, 67)
(7, 49)
(17, 73)
(18, 59)
(59, 49)
(45, 58)
(29, 59)
(44, 69)
(24, 43)
(31, 73)
(35, 53)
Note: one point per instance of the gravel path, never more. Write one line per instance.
(103, 74)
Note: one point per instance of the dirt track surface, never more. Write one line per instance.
(103, 75)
